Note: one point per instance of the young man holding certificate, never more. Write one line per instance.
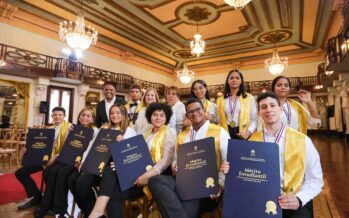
(163, 188)
(23, 174)
(300, 169)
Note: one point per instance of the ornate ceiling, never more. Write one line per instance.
(159, 31)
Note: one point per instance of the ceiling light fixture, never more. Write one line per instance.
(185, 75)
(237, 4)
(276, 65)
(76, 35)
(327, 63)
(197, 45)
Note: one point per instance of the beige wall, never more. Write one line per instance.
(20, 38)
(296, 70)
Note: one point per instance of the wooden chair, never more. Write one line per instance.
(9, 146)
(142, 203)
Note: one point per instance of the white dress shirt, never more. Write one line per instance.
(178, 110)
(311, 121)
(108, 105)
(236, 118)
(201, 134)
(313, 182)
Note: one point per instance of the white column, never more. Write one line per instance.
(345, 99)
(40, 95)
(82, 91)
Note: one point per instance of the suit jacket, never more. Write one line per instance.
(101, 114)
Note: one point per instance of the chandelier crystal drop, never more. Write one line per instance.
(185, 75)
(76, 35)
(276, 65)
(237, 4)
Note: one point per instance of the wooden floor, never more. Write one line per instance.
(332, 202)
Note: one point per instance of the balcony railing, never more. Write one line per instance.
(45, 65)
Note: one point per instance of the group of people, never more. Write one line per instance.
(165, 126)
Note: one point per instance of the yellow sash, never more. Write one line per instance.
(302, 118)
(213, 131)
(156, 151)
(207, 104)
(139, 106)
(294, 159)
(63, 129)
(244, 116)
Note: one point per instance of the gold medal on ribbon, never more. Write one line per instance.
(232, 124)
(131, 124)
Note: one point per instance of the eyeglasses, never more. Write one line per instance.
(196, 110)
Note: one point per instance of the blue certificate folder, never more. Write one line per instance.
(99, 154)
(197, 175)
(131, 158)
(252, 185)
(39, 147)
(74, 145)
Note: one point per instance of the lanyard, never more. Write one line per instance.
(192, 135)
(233, 108)
(288, 113)
(278, 135)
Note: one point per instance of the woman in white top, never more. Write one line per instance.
(295, 115)
(177, 107)
(81, 184)
(161, 144)
(142, 125)
(237, 109)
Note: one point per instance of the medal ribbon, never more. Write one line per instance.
(288, 112)
(278, 135)
(233, 108)
(192, 135)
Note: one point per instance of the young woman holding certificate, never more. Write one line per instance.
(56, 177)
(161, 142)
(237, 109)
(295, 115)
(81, 183)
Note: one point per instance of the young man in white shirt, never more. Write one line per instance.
(300, 168)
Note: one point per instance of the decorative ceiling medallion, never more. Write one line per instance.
(275, 36)
(201, 13)
(183, 54)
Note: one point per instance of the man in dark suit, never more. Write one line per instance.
(102, 109)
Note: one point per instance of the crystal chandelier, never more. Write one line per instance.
(237, 4)
(276, 65)
(197, 45)
(185, 75)
(76, 35)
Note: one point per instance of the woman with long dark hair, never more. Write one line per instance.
(237, 108)
(199, 90)
(295, 114)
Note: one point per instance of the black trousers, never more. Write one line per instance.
(81, 186)
(163, 189)
(56, 190)
(110, 187)
(304, 212)
(23, 176)
(60, 196)
(233, 131)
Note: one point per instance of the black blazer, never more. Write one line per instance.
(101, 114)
